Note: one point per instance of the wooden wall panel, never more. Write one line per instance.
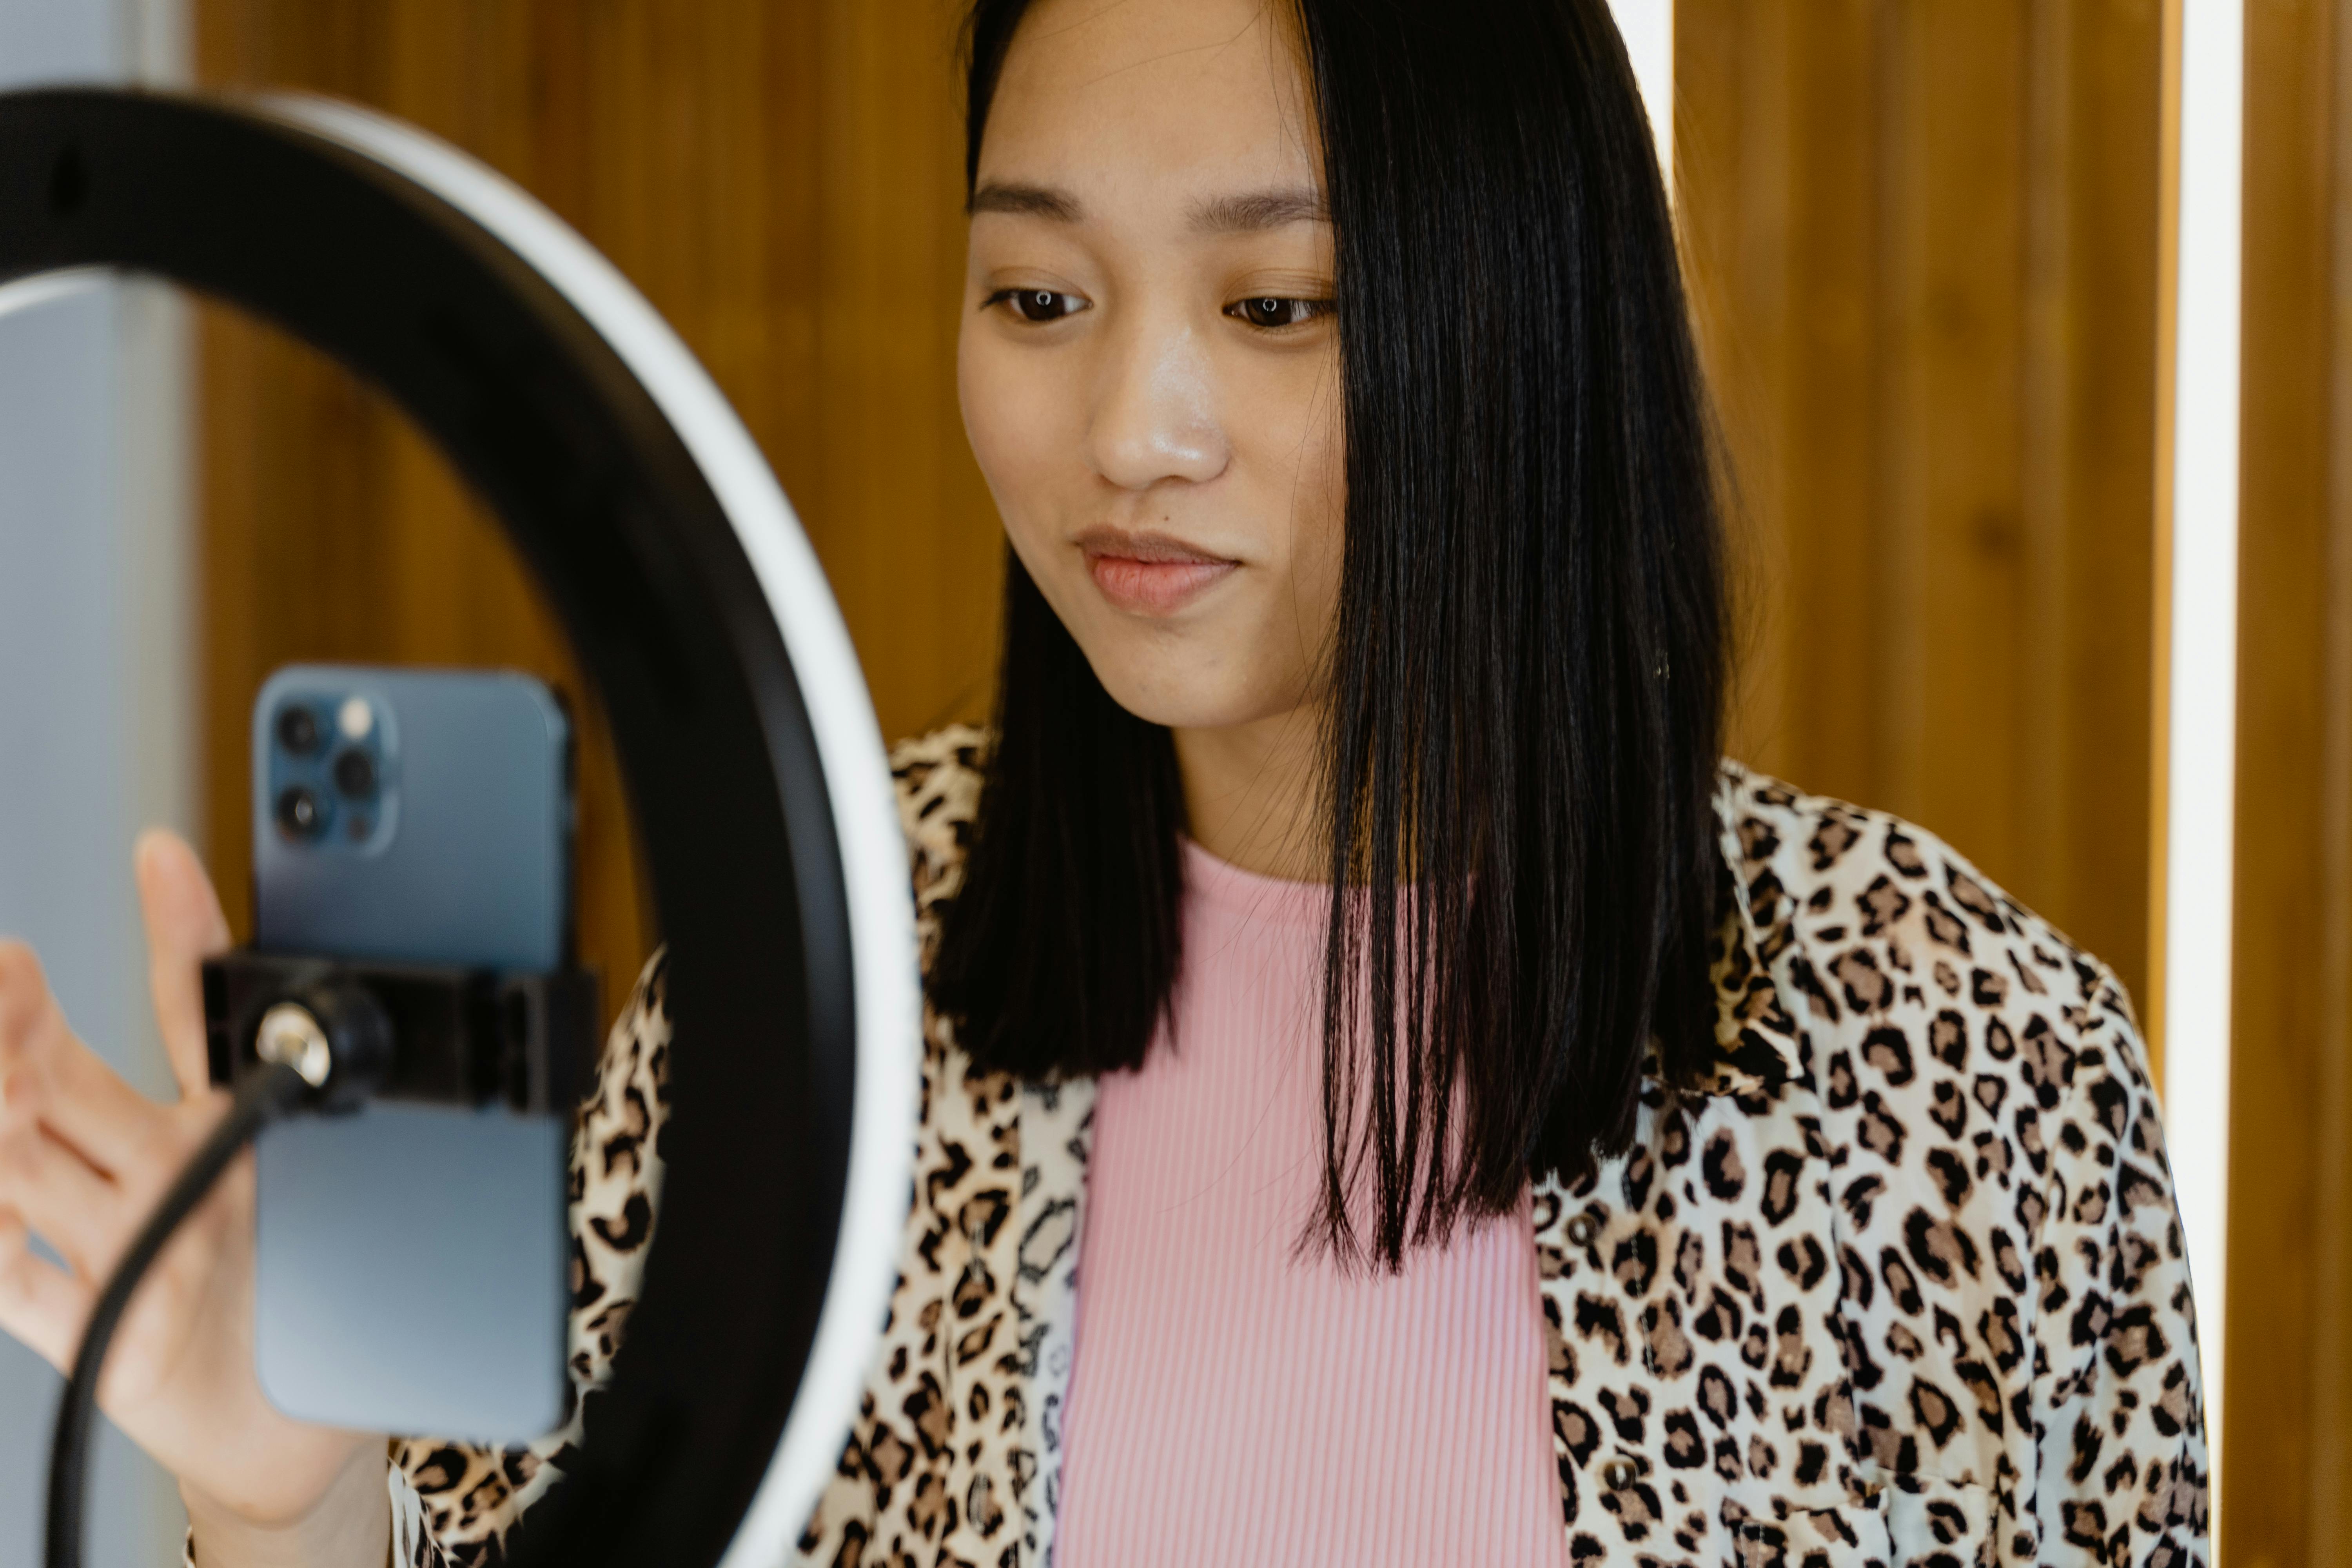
(1922, 244)
(2288, 1429)
(784, 180)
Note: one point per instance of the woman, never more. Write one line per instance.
(1488, 1127)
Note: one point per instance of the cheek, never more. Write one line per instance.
(1303, 448)
(1012, 419)
(1022, 417)
(1321, 514)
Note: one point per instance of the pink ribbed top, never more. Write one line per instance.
(1235, 1400)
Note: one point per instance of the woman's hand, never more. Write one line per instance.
(83, 1158)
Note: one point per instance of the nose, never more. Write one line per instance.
(1155, 414)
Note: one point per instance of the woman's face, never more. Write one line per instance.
(1148, 367)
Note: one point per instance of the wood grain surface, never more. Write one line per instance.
(1921, 238)
(2286, 1475)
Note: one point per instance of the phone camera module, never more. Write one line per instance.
(355, 774)
(299, 814)
(297, 729)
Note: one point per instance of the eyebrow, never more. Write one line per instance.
(1029, 201)
(1259, 210)
(1244, 214)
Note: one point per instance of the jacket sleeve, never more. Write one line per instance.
(454, 1503)
(2117, 1403)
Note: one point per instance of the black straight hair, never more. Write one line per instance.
(1526, 680)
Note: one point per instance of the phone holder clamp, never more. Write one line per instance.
(438, 1034)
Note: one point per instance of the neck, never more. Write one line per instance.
(1251, 795)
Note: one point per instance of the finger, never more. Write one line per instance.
(66, 1203)
(44, 1066)
(30, 1021)
(184, 927)
(41, 1305)
(72, 1090)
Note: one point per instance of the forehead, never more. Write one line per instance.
(1096, 96)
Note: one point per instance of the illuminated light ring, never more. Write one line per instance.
(742, 721)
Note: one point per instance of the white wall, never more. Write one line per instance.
(95, 693)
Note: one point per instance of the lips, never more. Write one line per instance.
(1151, 573)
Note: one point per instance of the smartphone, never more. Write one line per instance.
(411, 1260)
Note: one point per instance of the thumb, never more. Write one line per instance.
(185, 926)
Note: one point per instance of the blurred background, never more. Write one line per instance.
(1932, 251)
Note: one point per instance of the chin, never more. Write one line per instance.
(1155, 703)
(1179, 696)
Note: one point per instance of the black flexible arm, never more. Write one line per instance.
(266, 1094)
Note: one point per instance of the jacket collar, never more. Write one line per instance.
(1757, 1045)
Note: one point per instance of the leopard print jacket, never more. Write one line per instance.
(1902, 1283)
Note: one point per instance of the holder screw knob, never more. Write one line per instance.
(290, 1032)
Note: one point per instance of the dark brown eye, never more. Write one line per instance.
(1040, 304)
(1272, 313)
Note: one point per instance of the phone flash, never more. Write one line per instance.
(355, 719)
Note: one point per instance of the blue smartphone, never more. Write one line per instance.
(411, 1260)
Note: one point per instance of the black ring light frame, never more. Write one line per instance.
(749, 746)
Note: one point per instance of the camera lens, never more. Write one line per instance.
(299, 813)
(297, 729)
(355, 774)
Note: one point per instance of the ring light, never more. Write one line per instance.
(745, 735)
